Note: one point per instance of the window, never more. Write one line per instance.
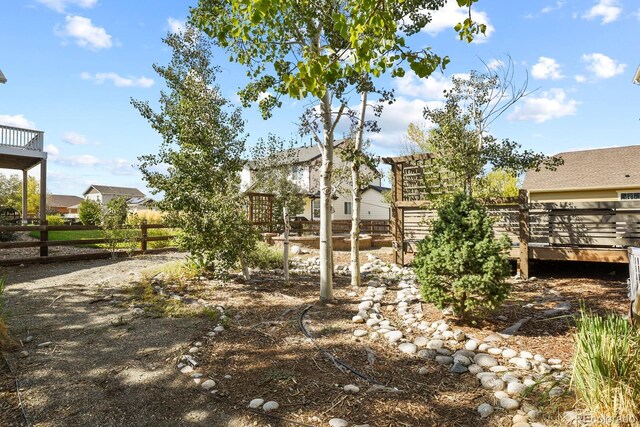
(629, 196)
(347, 208)
(296, 173)
(315, 209)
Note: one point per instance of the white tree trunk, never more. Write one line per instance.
(285, 255)
(326, 250)
(245, 268)
(356, 279)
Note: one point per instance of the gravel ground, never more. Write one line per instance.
(102, 366)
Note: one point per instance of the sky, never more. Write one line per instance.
(73, 65)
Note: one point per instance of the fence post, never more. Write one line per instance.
(44, 238)
(523, 262)
(143, 240)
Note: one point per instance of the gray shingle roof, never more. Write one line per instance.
(616, 167)
(62, 200)
(302, 154)
(119, 191)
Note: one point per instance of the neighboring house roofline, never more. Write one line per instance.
(109, 189)
(305, 154)
(562, 190)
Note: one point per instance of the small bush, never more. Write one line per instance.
(7, 236)
(90, 212)
(460, 264)
(265, 257)
(605, 375)
(152, 217)
(55, 219)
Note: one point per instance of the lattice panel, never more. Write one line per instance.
(422, 179)
(260, 208)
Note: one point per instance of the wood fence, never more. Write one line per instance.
(567, 231)
(337, 226)
(44, 243)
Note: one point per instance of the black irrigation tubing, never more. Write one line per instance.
(15, 377)
(330, 356)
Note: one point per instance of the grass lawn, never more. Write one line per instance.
(99, 234)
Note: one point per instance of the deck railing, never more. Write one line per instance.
(26, 139)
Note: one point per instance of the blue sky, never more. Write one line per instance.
(73, 65)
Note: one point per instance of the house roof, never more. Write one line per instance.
(617, 167)
(378, 188)
(302, 154)
(120, 191)
(62, 200)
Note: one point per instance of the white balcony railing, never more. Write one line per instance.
(26, 139)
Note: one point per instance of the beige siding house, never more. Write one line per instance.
(604, 174)
(104, 193)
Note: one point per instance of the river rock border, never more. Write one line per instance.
(502, 371)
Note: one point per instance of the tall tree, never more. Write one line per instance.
(321, 50)
(199, 161)
(460, 139)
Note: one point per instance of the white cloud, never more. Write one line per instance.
(75, 138)
(579, 78)
(117, 166)
(120, 167)
(61, 5)
(496, 64)
(546, 68)
(117, 80)
(52, 150)
(608, 10)
(548, 9)
(429, 88)
(85, 33)
(395, 120)
(18, 121)
(176, 25)
(450, 14)
(602, 66)
(81, 160)
(551, 104)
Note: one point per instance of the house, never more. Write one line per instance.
(306, 174)
(104, 193)
(64, 205)
(603, 174)
(136, 204)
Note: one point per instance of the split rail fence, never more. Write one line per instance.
(44, 243)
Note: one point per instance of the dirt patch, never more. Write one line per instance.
(105, 366)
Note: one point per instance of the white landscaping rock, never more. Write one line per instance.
(508, 353)
(351, 388)
(408, 348)
(509, 404)
(471, 345)
(256, 403)
(208, 384)
(394, 336)
(270, 406)
(492, 383)
(485, 361)
(420, 341)
(516, 388)
(435, 344)
(485, 410)
(360, 333)
(338, 422)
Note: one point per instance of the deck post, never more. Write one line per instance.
(25, 183)
(43, 191)
(523, 264)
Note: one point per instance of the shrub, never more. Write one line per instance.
(6, 343)
(90, 212)
(114, 227)
(55, 219)
(460, 264)
(151, 216)
(265, 257)
(605, 373)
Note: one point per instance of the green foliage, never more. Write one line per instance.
(460, 264)
(55, 219)
(497, 183)
(605, 373)
(265, 257)
(202, 143)
(115, 228)
(90, 212)
(6, 342)
(462, 146)
(275, 167)
(11, 193)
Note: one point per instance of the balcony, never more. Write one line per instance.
(21, 148)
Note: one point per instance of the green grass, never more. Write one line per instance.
(605, 376)
(65, 235)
